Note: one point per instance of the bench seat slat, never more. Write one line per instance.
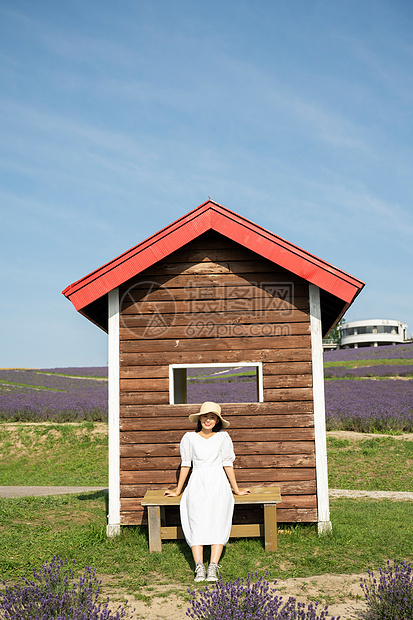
(269, 497)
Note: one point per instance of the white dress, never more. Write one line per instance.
(207, 504)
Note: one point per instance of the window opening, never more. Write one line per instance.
(221, 383)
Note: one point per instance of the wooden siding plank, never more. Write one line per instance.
(209, 328)
(269, 369)
(243, 475)
(273, 395)
(232, 299)
(213, 357)
(230, 409)
(241, 448)
(288, 394)
(214, 344)
(182, 423)
(287, 381)
(247, 317)
(207, 280)
(249, 461)
(136, 492)
(177, 301)
(234, 266)
(173, 435)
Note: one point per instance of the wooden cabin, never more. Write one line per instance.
(214, 289)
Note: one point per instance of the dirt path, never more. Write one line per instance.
(342, 594)
(358, 436)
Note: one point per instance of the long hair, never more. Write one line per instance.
(217, 427)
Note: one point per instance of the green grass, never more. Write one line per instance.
(370, 375)
(32, 530)
(371, 464)
(53, 454)
(360, 363)
(77, 454)
(31, 387)
(365, 534)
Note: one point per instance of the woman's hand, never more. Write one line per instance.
(242, 492)
(183, 474)
(172, 492)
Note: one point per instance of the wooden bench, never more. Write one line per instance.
(268, 497)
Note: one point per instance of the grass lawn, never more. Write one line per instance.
(372, 362)
(54, 454)
(371, 464)
(77, 454)
(365, 534)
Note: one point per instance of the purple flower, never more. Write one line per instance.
(391, 595)
(369, 406)
(221, 385)
(36, 396)
(400, 351)
(382, 370)
(54, 592)
(248, 600)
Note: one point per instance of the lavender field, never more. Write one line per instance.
(401, 351)
(369, 406)
(383, 370)
(221, 385)
(362, 398)
(373, 397)
(57, 395)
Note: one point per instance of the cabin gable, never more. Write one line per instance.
(210, 302)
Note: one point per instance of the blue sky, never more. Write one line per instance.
(119, 117)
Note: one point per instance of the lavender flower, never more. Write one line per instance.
(226, 385)
(248, 600)
(391, 597)
(382, 370)
(369, 406)
(36, 396)
(54, 593)
(86, 371)
(400, 351)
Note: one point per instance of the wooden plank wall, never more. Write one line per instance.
(214, 301)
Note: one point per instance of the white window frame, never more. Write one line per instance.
(257, 365)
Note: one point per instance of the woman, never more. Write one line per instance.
(207, 504)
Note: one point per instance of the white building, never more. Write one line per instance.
(372, 333)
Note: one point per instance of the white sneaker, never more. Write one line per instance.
(212, 572)
(200, 572)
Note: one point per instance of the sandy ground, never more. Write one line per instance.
(342, 594)
(354, 435)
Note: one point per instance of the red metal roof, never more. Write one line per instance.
(212, 216)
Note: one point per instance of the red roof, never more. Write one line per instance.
(212, 216)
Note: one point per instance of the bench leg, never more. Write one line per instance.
(270, 527)
(154, 529)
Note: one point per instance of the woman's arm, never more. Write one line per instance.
(183, 475)
(229, 470)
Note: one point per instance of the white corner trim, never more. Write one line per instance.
(324, 524)
(113, 527)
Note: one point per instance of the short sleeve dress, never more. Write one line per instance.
(207, 504)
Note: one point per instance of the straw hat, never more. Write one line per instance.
(209, 408)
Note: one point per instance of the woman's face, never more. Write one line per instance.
(208, 421)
